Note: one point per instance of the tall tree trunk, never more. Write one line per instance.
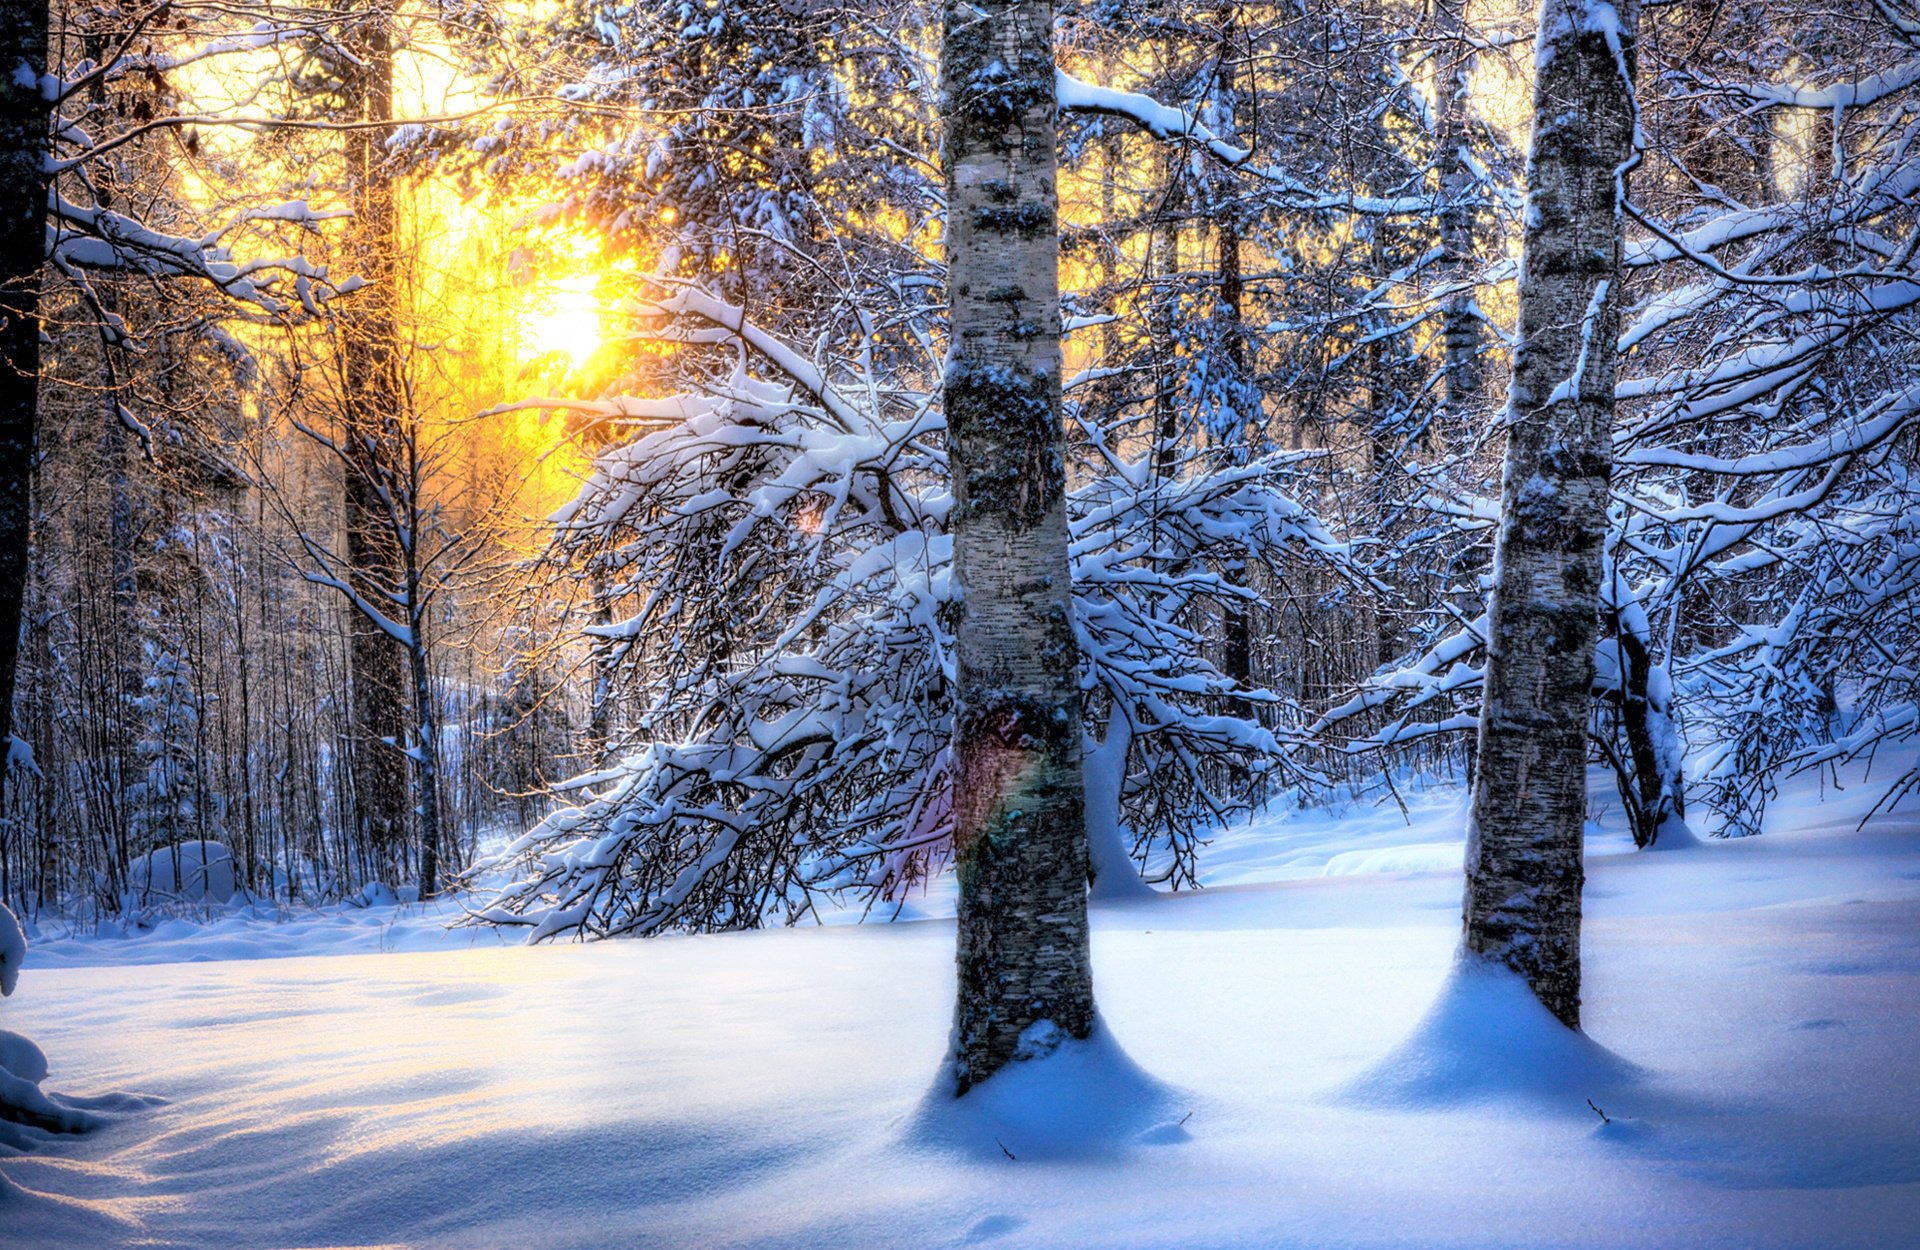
(133, 800)
(24, 113)
(1019, 803)
(1524, 869)
(600, 700)
(426, 746)
(1386, 430)
(1459, 321)
(1236, 627)
(1163, 263)
(1248, 415)
(372, 417)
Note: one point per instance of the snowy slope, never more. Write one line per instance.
(764, 1089)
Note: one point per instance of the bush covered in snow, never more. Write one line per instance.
(191, 872)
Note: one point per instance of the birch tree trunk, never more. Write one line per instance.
(1460, 369)
(23, 240)
(1019, 804)
(1524, 870)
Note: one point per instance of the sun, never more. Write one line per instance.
(568, 323)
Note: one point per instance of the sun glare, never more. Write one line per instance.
(569, 323)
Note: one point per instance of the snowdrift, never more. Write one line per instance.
(1487, 1036)
(1077, 1099)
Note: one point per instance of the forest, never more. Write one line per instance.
(1382, 535)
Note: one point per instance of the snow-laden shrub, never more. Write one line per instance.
(782, 550)
(189, 872)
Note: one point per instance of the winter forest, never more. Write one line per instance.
(1156, 623)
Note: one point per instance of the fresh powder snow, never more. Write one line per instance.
(1286, 1059)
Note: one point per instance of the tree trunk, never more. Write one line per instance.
(600, 700)
(371, 410)
(426, 759)
(1163, 262)
(1019, 801)
(1524, 869)
(1236, 625)
(1459, 321)
(24, 115)
(1647, 715)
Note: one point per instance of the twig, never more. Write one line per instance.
(1600, 1113)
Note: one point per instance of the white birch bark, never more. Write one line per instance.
(1524, 871)
(1019, 802)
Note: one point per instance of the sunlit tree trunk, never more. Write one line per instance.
(426, 745)
(1020, 837)
(1524, 870)
(372, 416)
(1163, 259)
(600, 698)
(117, 463)
(24, 113)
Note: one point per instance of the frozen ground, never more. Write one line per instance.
(1760, 1000)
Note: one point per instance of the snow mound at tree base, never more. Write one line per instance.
(1675, 834)
(1078, 1100)
(1488, 1037)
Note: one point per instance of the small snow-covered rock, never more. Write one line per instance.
(13, 950)
(195, 872)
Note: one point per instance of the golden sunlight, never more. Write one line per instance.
(569, 322)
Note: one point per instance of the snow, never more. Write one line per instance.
(1072, 1099)
(193, 872)
(247, 929)
(1285, 1060)
(1487, 1036)
(13, 951)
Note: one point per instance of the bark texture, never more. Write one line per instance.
(1659, 796)
(1524, 870)
(1460, 370)
(1236, 626)
(24, 112)
(371, 402)
(1019, 802)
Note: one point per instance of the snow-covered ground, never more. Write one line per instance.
(1760, 1001)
